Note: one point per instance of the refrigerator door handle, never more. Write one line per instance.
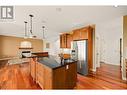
(80, 64)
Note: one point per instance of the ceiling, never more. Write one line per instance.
(58, 19)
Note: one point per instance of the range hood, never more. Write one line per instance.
(25, 45)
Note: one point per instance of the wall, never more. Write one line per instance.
(124, 46)
(55, 47)
(10, 45)
(110, 33)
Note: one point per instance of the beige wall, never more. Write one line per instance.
(124, 44)
(10, 45)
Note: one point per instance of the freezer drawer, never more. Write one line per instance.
(82, 67)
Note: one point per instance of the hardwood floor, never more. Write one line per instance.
(106, 77)
(16, 77)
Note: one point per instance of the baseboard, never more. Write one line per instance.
(109, 63)
(93, 70)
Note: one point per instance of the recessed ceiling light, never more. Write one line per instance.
(115, 6)
(59, 9)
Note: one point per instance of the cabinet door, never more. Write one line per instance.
(71, 75)
(44, 76)
(83, 34)
(59, 78)
(47, 77)
(76, 35)
(68, 42)
(40, 74)
(80, 34)
(33, 68)
(63, 41)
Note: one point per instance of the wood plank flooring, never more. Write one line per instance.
(106, 77)
(16, 77)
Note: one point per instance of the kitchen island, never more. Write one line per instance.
(50, 73)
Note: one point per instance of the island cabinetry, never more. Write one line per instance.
(71, 76)
(44, 76)
(33, 67)
(63, 77)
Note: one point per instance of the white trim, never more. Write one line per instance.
(93, 70)
(124, 78)
(106, 62)
(94, 51)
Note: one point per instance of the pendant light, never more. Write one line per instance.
(25, 44)
(25, 36)
(43, 27)
(31, 32)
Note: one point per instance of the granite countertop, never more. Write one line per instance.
(54, 62)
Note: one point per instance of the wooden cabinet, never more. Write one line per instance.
(64, 77)
(80, 34)
(71, 73)
(43, 76)
(69, 39)
(33, 68)
(68, 78)
(65, 40)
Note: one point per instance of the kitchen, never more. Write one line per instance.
(79, 61)
(44, 54)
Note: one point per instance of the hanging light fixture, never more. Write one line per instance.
(43, 27)
(25, 44)
(25, 36)
(31, 32)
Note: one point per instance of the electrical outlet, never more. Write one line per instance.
(67, 67)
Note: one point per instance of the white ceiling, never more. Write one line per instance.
(58, 19)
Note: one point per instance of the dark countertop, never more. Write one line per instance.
(54, 62)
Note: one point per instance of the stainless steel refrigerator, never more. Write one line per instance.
(79, 53)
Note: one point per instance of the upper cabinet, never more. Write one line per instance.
(65, 40)
(80, 34)
(62, 41)
(75, 35)
(69, 39)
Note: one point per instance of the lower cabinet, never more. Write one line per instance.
(64, 77)
(33, 68)
(44, 76)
